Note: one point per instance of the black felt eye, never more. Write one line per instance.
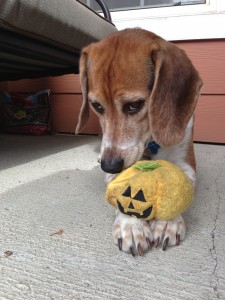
(97, 107)
(127, 192)
(140, 196)
(132, 108)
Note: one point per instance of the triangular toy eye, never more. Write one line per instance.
(127, 192)
(140, 196)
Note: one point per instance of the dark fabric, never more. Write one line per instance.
(23, 57)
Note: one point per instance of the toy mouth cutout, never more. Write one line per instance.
(146, 213)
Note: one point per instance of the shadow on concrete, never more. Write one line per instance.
(19, 149)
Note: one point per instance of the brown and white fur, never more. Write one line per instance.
(142, 88)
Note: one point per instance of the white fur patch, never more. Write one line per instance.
(133, 232)
(177, 154)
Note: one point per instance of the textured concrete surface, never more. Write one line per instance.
(54, 183)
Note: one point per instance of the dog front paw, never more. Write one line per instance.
(168, 233)
(132, 235)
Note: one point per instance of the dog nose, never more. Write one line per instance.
(112, 165)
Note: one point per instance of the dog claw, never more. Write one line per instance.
(148, 243)
(177, 239)
(156, 243)
(165, 243)
(120, 243)
(140, 250)
(132, 251)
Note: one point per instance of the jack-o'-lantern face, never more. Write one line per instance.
(131, 194)
(136, 206)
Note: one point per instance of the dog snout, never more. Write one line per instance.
(112, 165)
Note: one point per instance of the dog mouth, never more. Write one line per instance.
(144, 215)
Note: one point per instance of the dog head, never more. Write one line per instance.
(141, 87)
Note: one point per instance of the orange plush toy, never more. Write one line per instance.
(150, 189)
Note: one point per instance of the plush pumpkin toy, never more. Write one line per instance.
(151, 189)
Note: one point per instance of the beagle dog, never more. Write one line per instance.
(143, 89)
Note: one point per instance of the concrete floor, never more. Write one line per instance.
(54, 183)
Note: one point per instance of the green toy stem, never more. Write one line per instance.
(147, 167)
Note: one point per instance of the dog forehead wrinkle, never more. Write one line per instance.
(112, 73)
(107, 68)
(99, 79)
(130, 96)
(117, 71)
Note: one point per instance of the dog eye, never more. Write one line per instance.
(97, 107)
(133, 107)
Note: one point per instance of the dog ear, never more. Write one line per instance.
(84, 111)
(174, 94)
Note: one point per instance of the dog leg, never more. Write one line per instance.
(169, 233)
(129, 234)
(132, 235)
(135, 236)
